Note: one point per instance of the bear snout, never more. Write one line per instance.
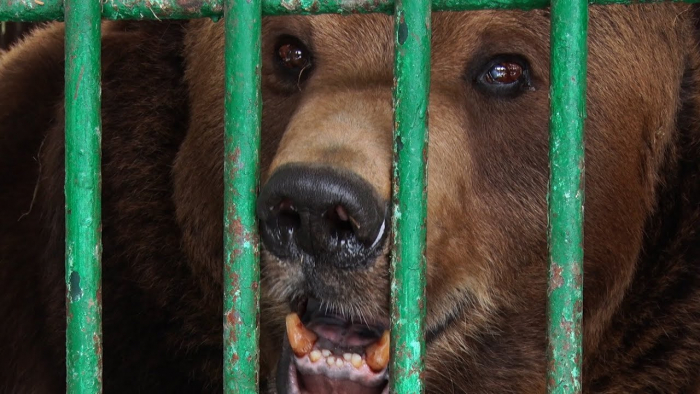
(320, 215)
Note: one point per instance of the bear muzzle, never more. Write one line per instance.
(322, 216)
(330, 224)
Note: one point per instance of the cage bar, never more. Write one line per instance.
(569, 30)
(45, 10)
(83, 198)
(408, 262)
(243, 104)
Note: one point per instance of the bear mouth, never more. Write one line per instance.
(332, 353)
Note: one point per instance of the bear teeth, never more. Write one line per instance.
(378, 353)
(301, 339)
(353, 359)
(315, 355)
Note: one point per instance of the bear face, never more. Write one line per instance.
(326, 168)
(487, 176)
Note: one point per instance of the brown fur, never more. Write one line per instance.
(162, 190)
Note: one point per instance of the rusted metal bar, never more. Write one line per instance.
(83, 193)
(408, 263)
(242, 119)
(566, 160)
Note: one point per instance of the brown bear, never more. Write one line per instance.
(324, 197)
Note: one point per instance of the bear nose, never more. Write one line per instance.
(322, 215)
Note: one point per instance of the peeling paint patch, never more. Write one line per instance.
(556, 281)
(290, 5)
(189, 4)
(233, 320)
(75, 291)
(403, 31)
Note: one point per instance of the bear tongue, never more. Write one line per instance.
(341, 336)
(321, 384)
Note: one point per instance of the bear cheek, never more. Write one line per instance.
(475, 252)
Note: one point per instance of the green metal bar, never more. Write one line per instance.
(43, 10)
(242, 143)
(162, 9)
(31, 10)
(83, 193)
(569, 27)
(408, 263)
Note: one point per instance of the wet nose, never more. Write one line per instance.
(322, 215)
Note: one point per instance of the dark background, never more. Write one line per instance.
(13, 31)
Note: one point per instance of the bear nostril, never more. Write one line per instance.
(340, 224)
(288, 218)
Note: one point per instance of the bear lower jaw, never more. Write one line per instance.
(330, 373)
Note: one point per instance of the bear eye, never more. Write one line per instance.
(505, 76)
(293, 58)
(504, 73)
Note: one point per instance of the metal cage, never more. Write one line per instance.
(242, 18)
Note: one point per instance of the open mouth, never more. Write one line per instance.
(333, 354)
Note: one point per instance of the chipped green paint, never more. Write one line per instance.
(566, 194)
(408, 263)
(44, 10)
(31, 10)
(161, 9)
(292, 7)
(242, 118)
(83, 193)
